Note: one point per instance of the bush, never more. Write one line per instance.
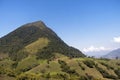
(18, 56)
(27, 64)
(118, 64)
(83, 78)
(108, 67)
(105, 59)
(89, 63)
(60, 76)
(89, 77)
(14, 65)
(105, 74)
(45, 53)
(117, 71)
(28, 76)
(10, 72)
(83, 68)
(2, 70)
(66, 68)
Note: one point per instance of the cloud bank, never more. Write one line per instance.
(116, 39)
(95, 49)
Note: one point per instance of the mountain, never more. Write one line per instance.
(35, 52)
(35, 38)
(113, 54)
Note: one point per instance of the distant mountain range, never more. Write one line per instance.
(113, 54)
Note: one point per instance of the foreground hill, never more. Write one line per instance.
(35, 39)
(113, 54)
(61, 68)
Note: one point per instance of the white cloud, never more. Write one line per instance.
(116, 39)
(95, 49)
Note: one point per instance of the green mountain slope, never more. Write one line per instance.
(35, 52)
(62, 68)
(35, 38)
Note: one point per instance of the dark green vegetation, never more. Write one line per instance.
(35, 52)
(62, 68)
(21, 42)
(89, 63)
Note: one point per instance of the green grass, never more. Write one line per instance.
(73, 63)
(3, 56)
(6, 63)
(44, 67)
(27, 64)
(35, 46)
(52, 68)
(4, 77)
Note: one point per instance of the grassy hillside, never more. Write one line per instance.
(35, 38)
(35, 52)
(35, 46)
(60, 68)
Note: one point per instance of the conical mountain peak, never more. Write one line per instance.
(36, 37)
(39, 24)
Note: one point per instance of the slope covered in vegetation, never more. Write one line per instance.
(35, 38)
(61, 68)
(35, 52)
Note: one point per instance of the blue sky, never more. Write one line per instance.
(89, 25)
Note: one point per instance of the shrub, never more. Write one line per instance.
(2, 70)
(10, 72)
(117, 71)
(45, 53)
(83, 68)
(46, 75)
(14, 65)
(43, 71)
(66, 68)
(60, 76)
(108, 67)
(83, 78)
(89, 77)
(28, 76)
(105, 59)
(105, 74)
(27, 64)
(89, 63)
(18, 56)
(118, 64)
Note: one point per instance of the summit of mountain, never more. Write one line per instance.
(35, 38)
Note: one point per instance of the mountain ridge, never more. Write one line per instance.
(113, 54)
(35, 52)
(16, 41)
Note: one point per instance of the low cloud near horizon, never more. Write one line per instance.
(116, 39)
(96, 49)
